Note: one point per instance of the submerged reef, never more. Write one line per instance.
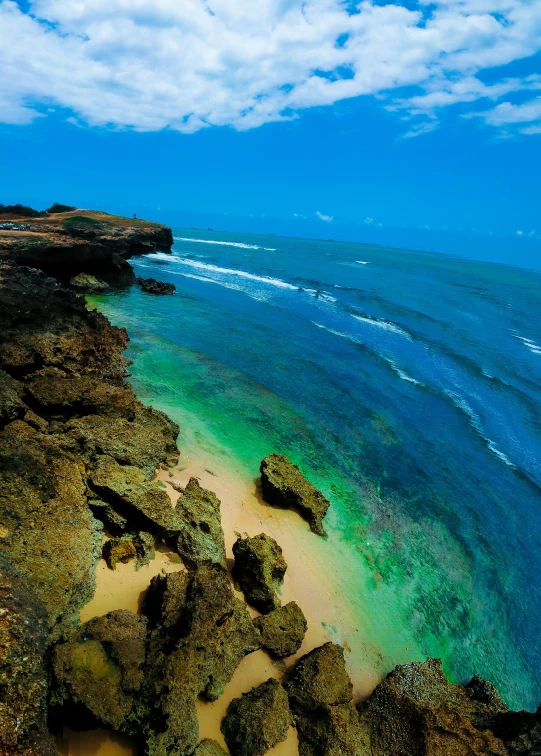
(78, 453)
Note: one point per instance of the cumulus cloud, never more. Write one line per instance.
(323, 217)
(201, 63)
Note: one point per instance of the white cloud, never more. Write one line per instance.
(198, 63)
(519, 232)
(368, 220)
(326, 218)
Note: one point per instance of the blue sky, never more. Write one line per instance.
(408, 124)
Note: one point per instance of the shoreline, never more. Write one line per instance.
(242, 511)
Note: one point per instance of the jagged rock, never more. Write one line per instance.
(114, 523)
(46, 525)
(320, 695)
(283, 630)
(209, 748)
(201, 539)
(259, 570)
(144, 547)
(151, 286)
(283, 485)
(200, 633)
(118, 550)
(23, 679)
(258, 720)
(86, 282)
(143, 504)
(100, 671)
(416, 711)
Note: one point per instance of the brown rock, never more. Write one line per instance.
(201, 539)
(283, 630)
(118, 550)
(283, 485)
(258, 720)
(259, 570)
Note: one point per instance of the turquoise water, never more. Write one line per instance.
(407, 386)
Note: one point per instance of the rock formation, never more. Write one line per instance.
(259, 570)
(283, 630)
(320, 695)
(416, 711)
(283, 485)
(151, 286)
(258, 720)
(87, 283)
(200, 539)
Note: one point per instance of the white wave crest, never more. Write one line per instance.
(475, 420)
(385, 324)
(531, 345)
(208, 268)
(223, 243)
(363, 262)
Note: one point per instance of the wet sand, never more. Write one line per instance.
(244, 512)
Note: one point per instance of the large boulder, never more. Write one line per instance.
(200, 539)
(259, 570)
(23, 678)
(320, 695)
(199, 633)
(416, 711)
(258, 720)
(86, 283)
(283, 485)
(99, 673)
(283, 630)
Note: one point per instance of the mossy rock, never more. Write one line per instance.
(201, 538)
(258, 720)
(259, 570)
(118, 550)
(283, 485)
(283, 630)
(209, 747)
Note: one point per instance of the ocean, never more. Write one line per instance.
(407, 387)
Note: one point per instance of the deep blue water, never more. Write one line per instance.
(407, 385)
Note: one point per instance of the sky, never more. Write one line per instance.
(415, 124)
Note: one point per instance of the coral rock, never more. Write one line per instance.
(201, 538)
(259, 570)
(209, 748)
(320, 694)
(258, 720)
(86, 282)
(283, 485)
(416, 711)
(283, 630)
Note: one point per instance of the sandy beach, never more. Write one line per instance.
(306, 582)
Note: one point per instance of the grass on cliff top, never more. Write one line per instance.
(96, 215)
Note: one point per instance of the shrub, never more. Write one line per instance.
(58, 207)
(27, 212)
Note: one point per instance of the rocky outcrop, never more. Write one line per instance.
(66, 244)
(23, 677)
(151, 286)
(283, 485)
(283, 630)
(86, 283)
(416, 711)
(259, 570)
(258, 720)
(209, 748)
(200, 539)
(320, 695)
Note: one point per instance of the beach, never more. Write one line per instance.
(306, 582)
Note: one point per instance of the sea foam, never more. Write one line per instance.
(223, 243)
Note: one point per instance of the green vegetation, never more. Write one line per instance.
(58, 207)
(82, 220)
(24, 210)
